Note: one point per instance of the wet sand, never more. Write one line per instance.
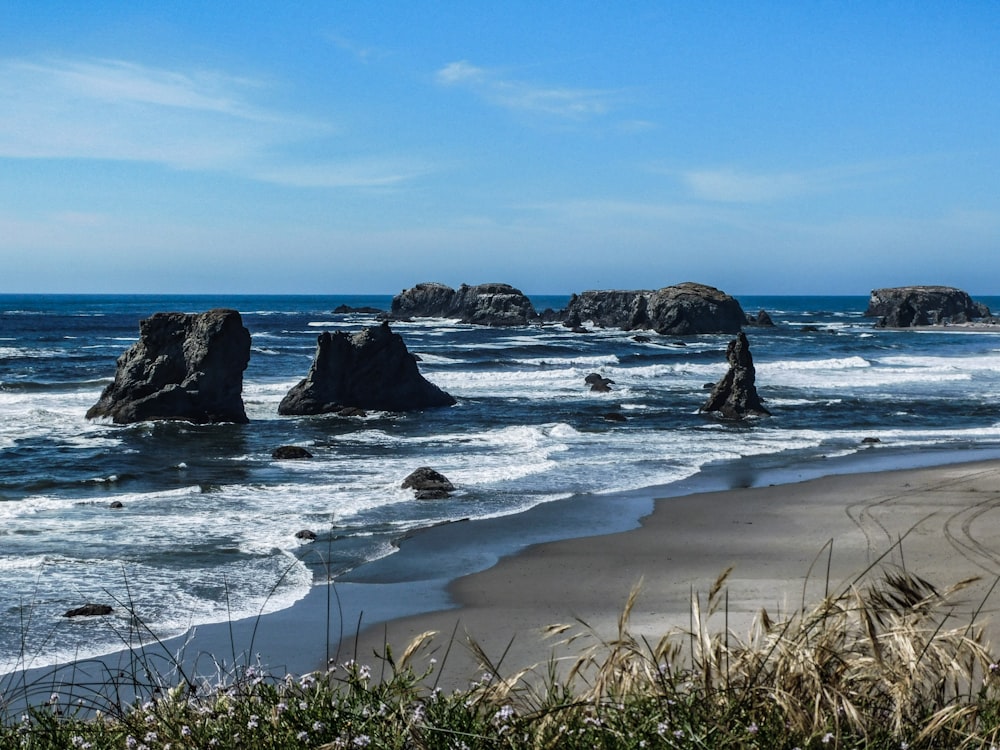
(941, 523)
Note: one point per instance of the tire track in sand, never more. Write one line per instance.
(957, 527)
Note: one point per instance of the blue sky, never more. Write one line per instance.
(339, 147)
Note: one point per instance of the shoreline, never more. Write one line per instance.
(787, 545)
(424, 577)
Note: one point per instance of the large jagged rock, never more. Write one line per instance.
(613, 308)
(678, 310)
(371, 369)
(184, 367)
(735, 395)
(909, 306)
(482, 304)
(426, 300)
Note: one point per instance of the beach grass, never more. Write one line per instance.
(883, 662)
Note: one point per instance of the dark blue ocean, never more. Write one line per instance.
(207, 528)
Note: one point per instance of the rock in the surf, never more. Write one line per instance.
(735, 395)
(184, 367)
(371, 369)
(910, 306)
(598, 383)
(679, 310)
(482, 304)
(89, 610)
(290, 453)
(428, 484)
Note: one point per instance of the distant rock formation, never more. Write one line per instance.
(370, 370)
(184, 367)
(483, 304)
(735, 395)
(762, 319)
(909, 306)
(428, 484)
(678, 310)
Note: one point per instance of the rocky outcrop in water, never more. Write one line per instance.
(598, 383)
(290, 453)
(678, 310)
(735, 395)
(184, 367)
(89, 610)
(909, 306)
(483, 304)
(371, 369)
(761, 320)
(428, 484)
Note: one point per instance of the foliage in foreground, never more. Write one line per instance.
(874, 666)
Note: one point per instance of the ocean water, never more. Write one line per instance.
(207, 528)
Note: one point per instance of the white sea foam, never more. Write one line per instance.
(583, 361)
(844, 363)
(438, 359)
(26, 352)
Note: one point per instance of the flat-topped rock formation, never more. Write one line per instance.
(482, 304)
(371, 369)
(679, 310)
(909, 306)
(184, 367)
(735, 395)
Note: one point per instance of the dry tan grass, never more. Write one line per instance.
(884, 654)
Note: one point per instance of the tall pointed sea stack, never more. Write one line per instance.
(735, 395)
(184, 367)
(370, 370)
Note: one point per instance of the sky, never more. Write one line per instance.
(343, 147)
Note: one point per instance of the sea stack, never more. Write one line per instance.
(371, 369)
(911, 306)
(184, 367)
(679, 310)
(735, 395)
(482, 304)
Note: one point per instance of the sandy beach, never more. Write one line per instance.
(778, 540)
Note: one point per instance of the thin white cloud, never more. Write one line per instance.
(360, 52)
(730, 186)
(512, 94)
(110, 109)
(117, 81)
(461, 72)
(189, 120)
(371, 174)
